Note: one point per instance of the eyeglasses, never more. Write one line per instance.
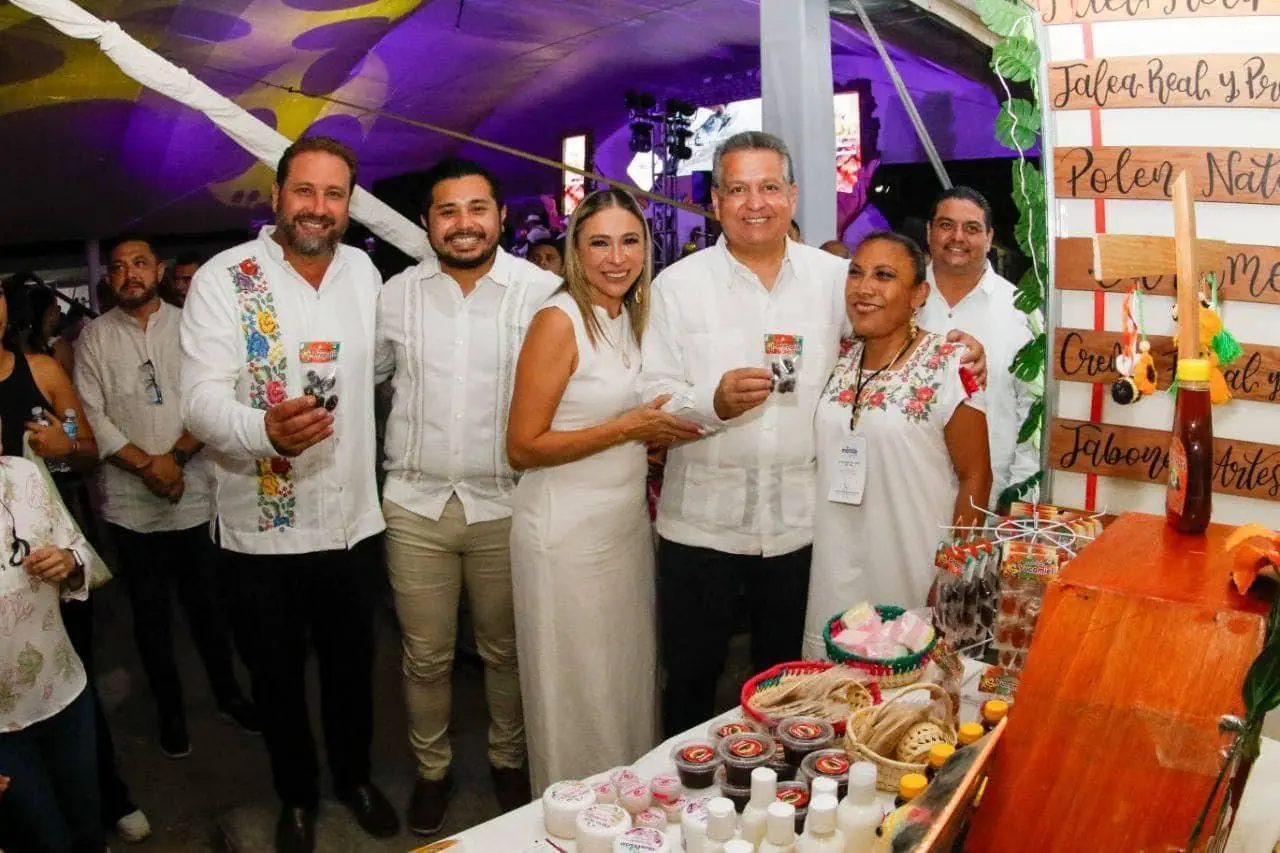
(149, 383)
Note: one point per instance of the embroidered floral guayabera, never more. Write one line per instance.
(913, 388)
(267, 367)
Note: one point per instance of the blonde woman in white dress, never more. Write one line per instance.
(581, 547)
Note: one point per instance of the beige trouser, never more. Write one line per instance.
(429, 562)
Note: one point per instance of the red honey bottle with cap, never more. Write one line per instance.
(1189, 499)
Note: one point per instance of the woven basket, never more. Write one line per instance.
(889, 771)
(866, 696)
(889, 672)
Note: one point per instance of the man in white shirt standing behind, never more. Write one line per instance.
(277, 376)
(128, 370)
(737, 506)
(449, 333)
(966, 293)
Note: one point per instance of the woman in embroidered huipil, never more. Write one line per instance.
(898, 399)
(47, 741)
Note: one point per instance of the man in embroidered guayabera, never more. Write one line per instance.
(266, 324)
(449, 332)
(155, 489)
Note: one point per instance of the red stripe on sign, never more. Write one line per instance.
(1099, 298)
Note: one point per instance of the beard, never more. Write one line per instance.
(447, 258)
(138, 300)
(308, 244)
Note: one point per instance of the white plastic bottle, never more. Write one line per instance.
(721, 822)
(764, 790)
(739, 845)
(859, 815)
(820, 832)
(780, 836)
(824, 785)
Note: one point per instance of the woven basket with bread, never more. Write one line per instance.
(896, 736)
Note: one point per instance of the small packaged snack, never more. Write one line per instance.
(319, 361)
(783, 357)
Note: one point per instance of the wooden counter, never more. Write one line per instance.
(1113, 743)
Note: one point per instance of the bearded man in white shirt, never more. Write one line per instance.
(128, 370)
(737, 506)
(449, 333)
(966, 293)
(277, 375)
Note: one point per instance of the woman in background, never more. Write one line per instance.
(899, 402)
(581, 547)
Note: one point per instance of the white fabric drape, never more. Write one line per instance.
(264, 142)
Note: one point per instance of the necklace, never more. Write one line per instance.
(622, 353)
(863, 381)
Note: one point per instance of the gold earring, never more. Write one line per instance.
(912, 329)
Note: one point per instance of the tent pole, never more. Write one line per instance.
(921, 131)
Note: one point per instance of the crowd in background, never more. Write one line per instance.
(526, 394)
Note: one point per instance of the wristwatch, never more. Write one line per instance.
(180, 456)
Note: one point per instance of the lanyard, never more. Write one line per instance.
(864, 382)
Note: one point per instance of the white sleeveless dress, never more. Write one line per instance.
(582, 569)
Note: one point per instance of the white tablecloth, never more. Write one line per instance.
(1257, 827)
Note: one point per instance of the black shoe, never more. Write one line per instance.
(511, 784)
(243, 713)
(371, 810)
(296, 830)
(174, 742)
(428, 804)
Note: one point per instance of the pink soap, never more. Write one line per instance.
(635, 798)
(666, 787)
(605, 792)
(652, 817)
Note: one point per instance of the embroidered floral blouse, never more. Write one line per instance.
(40, 673)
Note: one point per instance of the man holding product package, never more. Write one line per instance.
(743, 335)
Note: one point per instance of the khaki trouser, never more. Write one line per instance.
(429, 563)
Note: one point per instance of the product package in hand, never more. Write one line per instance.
(319, 361)
(783, 357)
(862, 632)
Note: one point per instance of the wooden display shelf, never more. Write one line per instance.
(1113, 744)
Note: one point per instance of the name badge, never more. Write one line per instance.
(849, 471)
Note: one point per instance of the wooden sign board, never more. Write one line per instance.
(1246, 273)
(1080, 11)
(1240, 175)
(1240, 467)
(1133, 256)
(1083, 355)
(1166, 81)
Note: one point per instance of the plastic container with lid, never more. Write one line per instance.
(1189, 498)
(829, 764)
(938, 755)
(859, 814)
(642, 840)
(795, 794)
(696, 762)
(717, 732)
(605, 792)
(597, 827)
(722, 821)
(993, 711)
(665, 787)
(673, 808)
(800, 736)
(561, 804)
(693, 824)
(910, 786)
(740, 797)
(778, 764)
(780, 837)
(652, 817)
(764, 790)
(821, 835)
(970, 733)
(743, 753)
(635, 798)
(623, 776)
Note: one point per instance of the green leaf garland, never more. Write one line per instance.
(1016, 124)
(1016, 59)
(1002, 17)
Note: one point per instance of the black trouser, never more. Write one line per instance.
(154, 567)
(277, 601)
(77, 617)
(697, 589)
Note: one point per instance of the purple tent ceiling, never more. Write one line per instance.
(88, 153)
